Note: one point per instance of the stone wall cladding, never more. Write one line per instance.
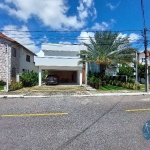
(3, 44)
(13, 62)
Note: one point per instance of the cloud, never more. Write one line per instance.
(40, 53)
(52, 13)
(103, 25)
(133, 37)
(23, 38)
(84, 37)
(113, 7)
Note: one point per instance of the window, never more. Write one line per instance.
(25, 71)
(13, 52)
(28, 58)
(143, 59)
(13, 72)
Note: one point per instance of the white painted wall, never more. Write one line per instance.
(62, 47)
(51, 61)
(61, 53)
(25, 64)
(112, 71)
(142, 55)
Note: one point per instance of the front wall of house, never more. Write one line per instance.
(61, 53)
(142, 58)
(93, 67)
(25, 65)
(15, 61)
(3, 44)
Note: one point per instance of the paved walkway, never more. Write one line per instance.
(61, 93)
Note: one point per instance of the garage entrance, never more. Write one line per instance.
(64, 76)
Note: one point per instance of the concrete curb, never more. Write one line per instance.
(101, 94)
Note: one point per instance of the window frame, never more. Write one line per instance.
(28, 58)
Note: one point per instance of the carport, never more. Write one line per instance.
(66, 75)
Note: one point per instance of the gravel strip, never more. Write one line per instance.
(65, 93)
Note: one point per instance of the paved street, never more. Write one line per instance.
(74, 123)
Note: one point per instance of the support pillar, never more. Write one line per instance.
(80, 77)
(40, 77)
(86, 73)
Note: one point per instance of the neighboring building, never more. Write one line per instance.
(141, 57)
(20, 59)
(141, 60)
(62, 60)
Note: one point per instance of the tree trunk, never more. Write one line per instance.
(102, 69)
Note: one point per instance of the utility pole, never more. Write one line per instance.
(146, 62)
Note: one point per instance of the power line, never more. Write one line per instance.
(73, 30)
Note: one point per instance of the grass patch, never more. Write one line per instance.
(110, 87)
(1, 88)
(143, 86)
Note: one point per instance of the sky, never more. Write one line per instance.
(33, 22)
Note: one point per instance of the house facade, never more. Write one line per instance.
(141, 60)
(62, 60)
(19, 59)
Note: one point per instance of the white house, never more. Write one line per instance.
(14, 59)
(141, 57)
(141, 60)
(61, 60)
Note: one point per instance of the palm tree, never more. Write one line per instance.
(108, 49)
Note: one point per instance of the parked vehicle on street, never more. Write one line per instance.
(51, 79)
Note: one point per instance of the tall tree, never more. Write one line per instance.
(108, 49)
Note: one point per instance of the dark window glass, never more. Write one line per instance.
(13, 52)
(13, 72)
(28, 58)
(143, 59)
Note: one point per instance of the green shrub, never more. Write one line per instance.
(97, 81)
(2, 83)
(138, 86)
(104, 83)
(29, 79)
(92, 79)
(131, 80)
(15, 86)
(114, 82)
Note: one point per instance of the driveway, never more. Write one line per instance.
(49, 90)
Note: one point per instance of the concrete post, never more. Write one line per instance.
(86, 72)
(80, 77)
(40, 77)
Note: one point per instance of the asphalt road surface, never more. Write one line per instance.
(74, 123)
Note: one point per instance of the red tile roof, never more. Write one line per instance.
(11, 40)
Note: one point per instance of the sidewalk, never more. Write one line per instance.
(49, 91)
